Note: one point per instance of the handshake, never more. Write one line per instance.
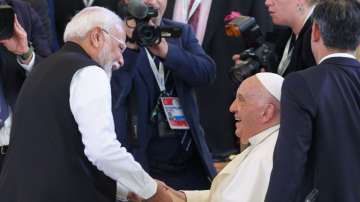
(163, 193)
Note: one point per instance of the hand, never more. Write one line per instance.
(175, 195)
(160, 50)
(129, 28)
(134, 198)
(236, 58)
(18, 43)
(161, 194)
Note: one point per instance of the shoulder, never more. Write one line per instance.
(169, 23)
(265, 150)
(20, 6)
(92, 77)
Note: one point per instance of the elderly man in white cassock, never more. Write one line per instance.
(256, 110)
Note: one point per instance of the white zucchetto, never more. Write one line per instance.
(272, 83)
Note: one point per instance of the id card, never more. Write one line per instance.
(174, 113)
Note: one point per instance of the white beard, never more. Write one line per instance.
(105, 60)
(108, 69)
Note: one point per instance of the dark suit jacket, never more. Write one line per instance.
(318, 143)
(189, 66)
(12, 74)
(214, 100)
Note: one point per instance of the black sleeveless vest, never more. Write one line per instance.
(46, 160)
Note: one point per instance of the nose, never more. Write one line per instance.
(267, 3)
(232, 107)
(119, 62)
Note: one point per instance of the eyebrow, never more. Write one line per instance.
(240, 97)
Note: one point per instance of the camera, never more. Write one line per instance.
(137, 15)
(258, 54)
(6, 21)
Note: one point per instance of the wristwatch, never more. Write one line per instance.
(28, 53)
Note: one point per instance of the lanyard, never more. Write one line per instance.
(159, 74)
(286, 58)
(88, 3)
(191, 11)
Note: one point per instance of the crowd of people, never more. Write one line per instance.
(104, 118)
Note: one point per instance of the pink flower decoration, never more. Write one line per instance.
(231, 16)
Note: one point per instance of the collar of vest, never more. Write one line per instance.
(74, 47)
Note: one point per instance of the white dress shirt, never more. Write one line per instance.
(181, 15)
(5, 130)
(90, 103)
(246, 178)
(333, 55)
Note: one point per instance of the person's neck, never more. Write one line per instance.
(300, 22)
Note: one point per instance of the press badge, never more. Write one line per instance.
(174, 113)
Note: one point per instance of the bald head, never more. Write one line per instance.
(256, 106)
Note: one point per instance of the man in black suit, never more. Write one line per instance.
(317, 152)
(218, 122)
(16, 59)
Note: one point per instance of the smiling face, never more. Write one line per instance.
(248, 108)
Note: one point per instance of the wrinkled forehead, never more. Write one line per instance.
(250, 87)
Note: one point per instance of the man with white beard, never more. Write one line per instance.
(63, 143)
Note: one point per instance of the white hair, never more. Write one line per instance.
(89, 18)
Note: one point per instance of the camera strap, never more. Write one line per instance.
(286, 58)
(159, 74)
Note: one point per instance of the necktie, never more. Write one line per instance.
(194, 18)
(4, 107)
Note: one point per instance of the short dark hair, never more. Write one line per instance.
(339, 23)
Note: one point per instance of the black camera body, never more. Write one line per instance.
(145, 34)
(6, 21)
(257, 56)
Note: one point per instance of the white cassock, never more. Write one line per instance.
(246, 178)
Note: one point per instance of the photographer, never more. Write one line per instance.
(293, 45)
(17, 57)
(168, 70)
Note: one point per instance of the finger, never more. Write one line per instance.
(236, 57)
(18, 25)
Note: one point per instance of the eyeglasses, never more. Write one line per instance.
(122, 45)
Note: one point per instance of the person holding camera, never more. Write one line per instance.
(155, 110)
(22, 44)
(207, 18)
(293, 44)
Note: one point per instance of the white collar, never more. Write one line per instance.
(333, 55)
(260, 137)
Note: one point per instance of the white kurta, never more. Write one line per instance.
(246, 178)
